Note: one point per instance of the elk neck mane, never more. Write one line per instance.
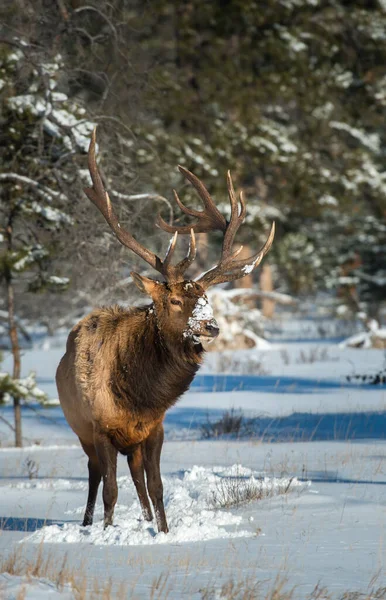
(143, 368)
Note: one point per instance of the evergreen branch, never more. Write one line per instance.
(41, 190)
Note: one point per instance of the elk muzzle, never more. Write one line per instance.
(204, 332)
(202, 327)
(211, 330)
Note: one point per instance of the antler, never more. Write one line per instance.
(208, 219)
(99, 196)
(211, 219)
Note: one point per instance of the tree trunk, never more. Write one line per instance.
(14, 339)
(16, 360)
(266, 285)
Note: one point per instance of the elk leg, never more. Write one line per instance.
(153, 475)
(107, 457)
(135, 462)
(94, 478)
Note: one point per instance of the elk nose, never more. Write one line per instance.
(212, 328)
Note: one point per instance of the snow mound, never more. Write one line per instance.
(189, 508)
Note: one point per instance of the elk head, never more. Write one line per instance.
(181, 305)
(182, 309)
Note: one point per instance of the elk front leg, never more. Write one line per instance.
(107, 458)
(153, 446)
(94, 479)
(135, 462)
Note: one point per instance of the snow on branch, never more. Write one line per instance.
(27, 257)
(42, 190)
(53, 215)
(253, 293)
(150, 196)
(370, 140)
(23, 389)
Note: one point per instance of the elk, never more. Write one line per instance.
(124, 368)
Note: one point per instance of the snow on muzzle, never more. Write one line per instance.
(194, 501)
(202, 327)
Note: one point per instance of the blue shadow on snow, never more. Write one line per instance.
(269, 383)
(296, 427)
(25, 524)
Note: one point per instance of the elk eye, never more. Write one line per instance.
(176, 302)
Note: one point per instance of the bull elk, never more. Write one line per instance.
(124, 368)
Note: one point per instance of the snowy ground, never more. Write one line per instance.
(330, 532)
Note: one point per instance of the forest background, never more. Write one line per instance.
(289, 94)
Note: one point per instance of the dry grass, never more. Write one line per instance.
(61, 575)
(249, 588)
(233, 422)
(228, 363)
(232, 492)
(313, 355)
(309, 356)
(31, 467)
(280, 590)
(230, 423)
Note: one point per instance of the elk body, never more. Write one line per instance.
(123, 368)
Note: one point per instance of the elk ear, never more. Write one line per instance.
(144, 284)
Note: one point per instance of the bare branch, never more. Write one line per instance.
(7, 422)
(155, 197)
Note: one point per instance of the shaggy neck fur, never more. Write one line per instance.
(152, 367)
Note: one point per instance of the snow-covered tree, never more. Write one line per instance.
(40, 130)
(291, 98)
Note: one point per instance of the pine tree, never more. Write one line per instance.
(39, 128)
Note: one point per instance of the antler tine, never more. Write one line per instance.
(243, 212)
(235, 221)
(252, 262)
(182, 228)
(188, 211)
(229, 270)
(204, 195)
(170, 250)
(209, 219)
(191, 255)
(175, 273)
(98, 196)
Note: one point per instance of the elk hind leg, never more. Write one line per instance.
(136, 466)
(107, 458)
(153, 474)
(94, 478)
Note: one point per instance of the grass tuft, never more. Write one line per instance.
(60, 574)
(250, 589)
(232, 492)
(232, 423)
